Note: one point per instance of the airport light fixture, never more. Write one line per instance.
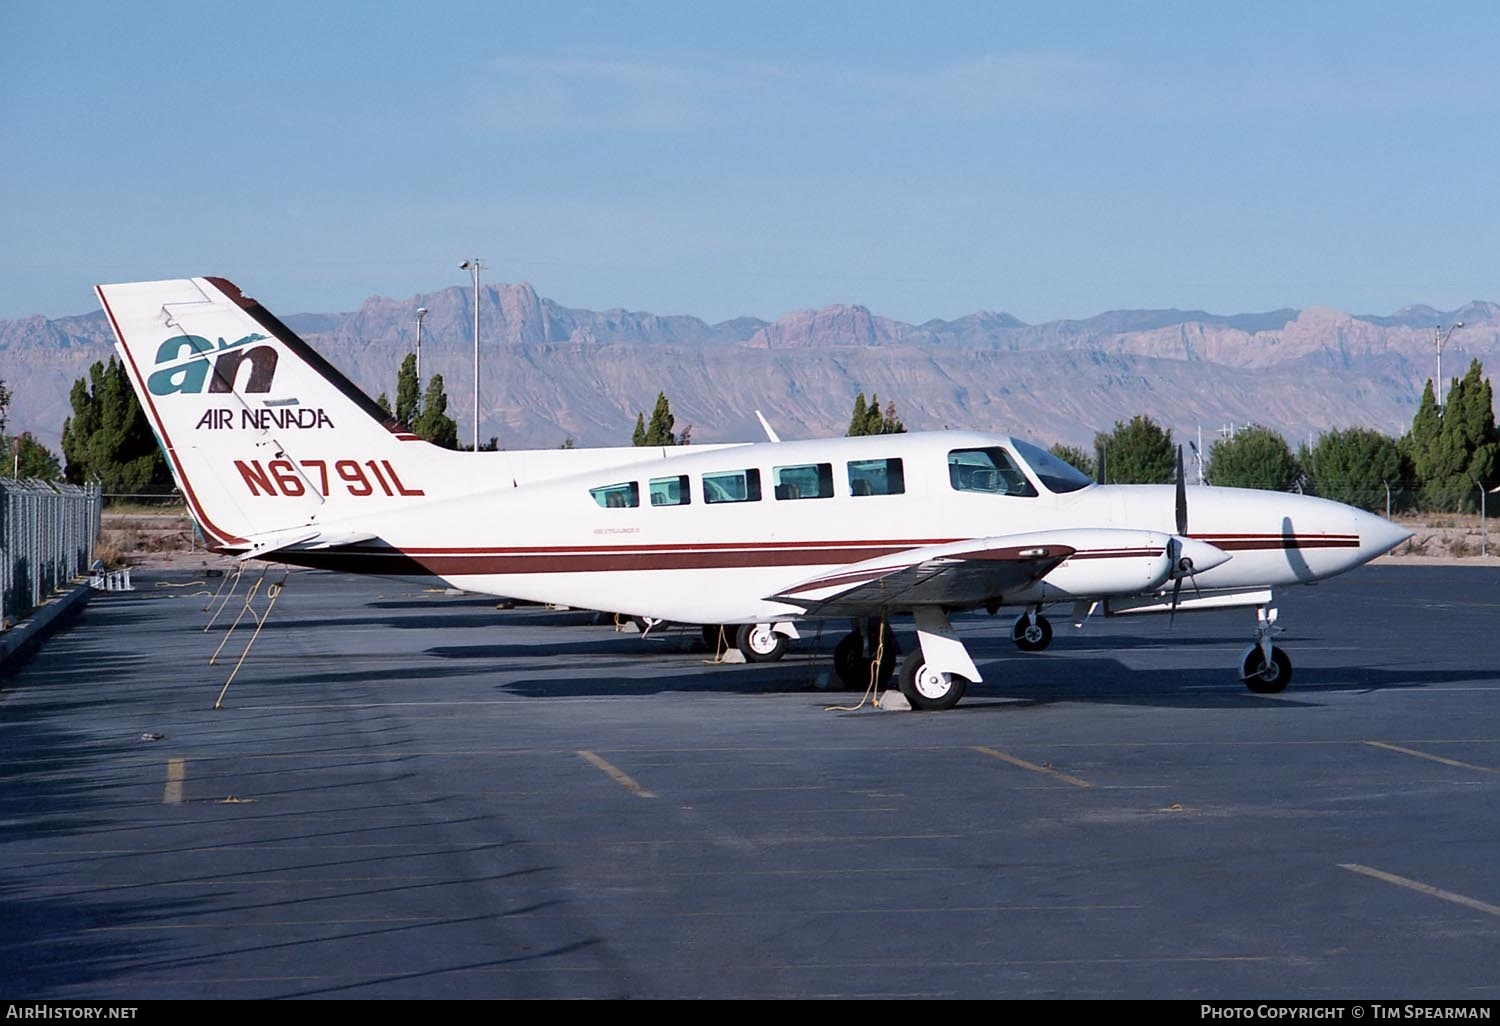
(1442, 337)
(472, 266)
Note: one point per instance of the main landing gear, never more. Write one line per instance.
(1032, 632)
(934, 676)
(866, 654)
(758, 642)
(1265, 668)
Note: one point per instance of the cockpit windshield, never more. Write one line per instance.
(1057, 475)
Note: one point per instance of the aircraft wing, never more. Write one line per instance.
(964, 573)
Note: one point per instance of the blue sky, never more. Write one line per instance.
(1049, 159)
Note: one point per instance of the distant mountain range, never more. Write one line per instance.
(549, 372)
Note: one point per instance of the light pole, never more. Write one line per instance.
(1484, 548)
(421, 312)
(472, 266)
(1442, 337)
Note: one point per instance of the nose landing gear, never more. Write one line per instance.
(1264, 667)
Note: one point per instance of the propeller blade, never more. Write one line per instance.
(1182, 521)
(1176, 593)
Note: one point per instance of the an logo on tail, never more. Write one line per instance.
(187, 365)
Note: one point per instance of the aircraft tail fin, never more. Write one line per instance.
(262, 434)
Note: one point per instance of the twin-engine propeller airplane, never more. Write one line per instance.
(283, 459)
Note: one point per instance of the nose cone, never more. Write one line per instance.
(1377, 535)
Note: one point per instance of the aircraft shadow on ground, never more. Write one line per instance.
(1017, 681)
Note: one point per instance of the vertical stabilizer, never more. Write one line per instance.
(261, 433)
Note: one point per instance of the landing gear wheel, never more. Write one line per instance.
(649, 623)
(1032, 637)
(929, 689)
(1265, 678)
(760, 643)
(852, 666)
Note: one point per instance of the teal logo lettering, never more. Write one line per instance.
(188, 362)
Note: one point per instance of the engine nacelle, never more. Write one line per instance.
(1117, 562)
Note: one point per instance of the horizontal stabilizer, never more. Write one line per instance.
(301, 539)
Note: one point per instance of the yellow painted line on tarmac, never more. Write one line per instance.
(171, 794)
(1424, 755)
(616, 774)
(1075, 781)
(1421, 888)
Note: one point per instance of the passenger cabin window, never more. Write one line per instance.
(812, 481)
(670, 491)
(876, 477)
(732, 486)
(617, 496)
(987, 470)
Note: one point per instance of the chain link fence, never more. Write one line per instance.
(47, 533)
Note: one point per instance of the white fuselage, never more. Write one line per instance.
(549, 539)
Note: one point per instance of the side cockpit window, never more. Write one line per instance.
(617, 496)
(989, 470)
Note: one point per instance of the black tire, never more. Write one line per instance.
(1029, 637)
(930, 692)
(848, 658)
(649, 623)
(852, 666)
(759, 643)
(1267, 678)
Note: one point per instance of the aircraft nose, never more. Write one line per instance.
(1377, 535)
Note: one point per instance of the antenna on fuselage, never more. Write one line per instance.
(770, 432)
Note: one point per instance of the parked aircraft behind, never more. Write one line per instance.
(282, 458)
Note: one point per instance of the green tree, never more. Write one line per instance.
(659, 431)
(408, 392)
(107, 439)
(4, 405)
(1355, 467)
(433, 423)
(1453, 450)
(383, 403)
(30, 458)
(1074, 456)
(860, 419)
(1254, 457)
(1139, 451)
(869, 419)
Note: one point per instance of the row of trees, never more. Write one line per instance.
(422, 413)
(1450, 453)
(1440, 465)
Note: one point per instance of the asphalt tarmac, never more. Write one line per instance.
(411, 794)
